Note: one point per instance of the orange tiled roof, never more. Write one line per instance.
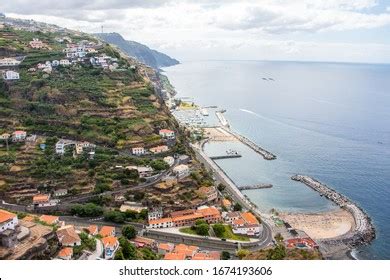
(165, 246)
(249, 218)
(144, 240)
(226, 202)
(106, 231)
(29, 218)
(182, 213)
(68, 235)
(93, 229)
(66, 252)
(174, 256)
(188, 251)
(188, 217)
(110, 241)
(48, 219)
(209, 211)
(166, 131)
(6, 216)
(41, 197)
(158, 221)
(239, 222)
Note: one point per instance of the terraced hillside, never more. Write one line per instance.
(112, 106)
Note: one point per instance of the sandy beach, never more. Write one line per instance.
(321, 225)
(218, 134)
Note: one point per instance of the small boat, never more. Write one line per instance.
(271, 79)
(265, 79)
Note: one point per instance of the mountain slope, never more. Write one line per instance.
(141, 52)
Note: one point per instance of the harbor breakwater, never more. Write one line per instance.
(364, 231)
(264, 153)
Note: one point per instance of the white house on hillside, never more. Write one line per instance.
(11, 75)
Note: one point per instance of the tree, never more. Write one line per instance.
(219, 230)
(129, 232)
(278, 237)
(138, 196)
(237, 207)
(225, 255)
(242, 253)
(221, 187)
(128, 249)
(202, 229)
(87, 210)
(119, 255)
(278, 253)
(159, 165)
(115, 216)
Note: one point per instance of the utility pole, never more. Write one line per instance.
(102, 29)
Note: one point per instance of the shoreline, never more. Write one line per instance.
(364, 231)
(338, 246)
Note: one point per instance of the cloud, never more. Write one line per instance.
(223, 28)
(297, 17)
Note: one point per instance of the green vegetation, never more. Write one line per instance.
(201, 227)
(87, 210)
(128, 251)
(129, 232)
(87, 243)
(225, 255)
(227, 233)
(237, 207)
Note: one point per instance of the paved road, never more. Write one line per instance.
(265, 238)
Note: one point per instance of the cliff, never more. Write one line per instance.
(139, 51)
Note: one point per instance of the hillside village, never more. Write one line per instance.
(85, 134)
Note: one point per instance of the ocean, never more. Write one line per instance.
(327, 120)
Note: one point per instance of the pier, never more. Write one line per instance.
(226, 156)
(229, 154)
(264, 153)
(364, 231)
(255, 187)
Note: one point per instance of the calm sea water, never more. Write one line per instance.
(327, 120)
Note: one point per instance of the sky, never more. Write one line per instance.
(299, 30)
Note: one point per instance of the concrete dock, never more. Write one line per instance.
(364, 231)
(255, 187)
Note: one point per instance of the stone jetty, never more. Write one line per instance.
(364, 231)
(266, 155)
(255, 187)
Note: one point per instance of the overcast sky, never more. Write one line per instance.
(315, 30)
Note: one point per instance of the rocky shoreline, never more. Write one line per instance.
(364, 231)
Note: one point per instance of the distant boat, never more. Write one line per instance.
(271, 79)
(265, 79)
(379, 142)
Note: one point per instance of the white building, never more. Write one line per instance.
(167, 134)
(61, 144)
(161, 223)
(8, 220)
(181, 171)
(111, 245)
(60, 192)
(19, 135)
(169, 160)
(64, 62)
(9, 61)
(55, 63)
(138, 151)
(143, 171)
(11, 75)
(155, 213)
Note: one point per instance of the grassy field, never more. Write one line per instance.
(228, 234)
(189, 230)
